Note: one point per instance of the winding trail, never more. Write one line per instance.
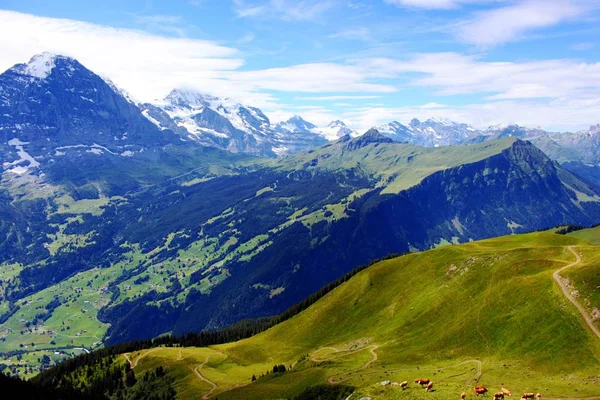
(560, 280)
(213, 385)
(331, 380)
(134, 363)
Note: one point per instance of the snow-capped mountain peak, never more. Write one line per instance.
(433, 132)
(190, 99)
(295, 124)
(336, 130)
(228, 124)
(41, 66)
(336, 123)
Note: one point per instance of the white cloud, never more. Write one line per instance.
(313, 78)
(455, 74)
(146, 65)
(291, 10)
(504, 24)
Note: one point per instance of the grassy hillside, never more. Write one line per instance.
(486, 312)
(395, 166)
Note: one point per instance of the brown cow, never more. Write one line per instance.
(528, 396)
(480, 390)
(463, 396)
(498, 395)
(422, 381)
(506, 392)
(429, 387)
(538, 396)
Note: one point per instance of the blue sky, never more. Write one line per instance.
(483, 62)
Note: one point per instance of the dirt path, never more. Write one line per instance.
(560, 280)
(134, 363)
(331, 380)
(213, 385)
(335, 350)
(479, 370)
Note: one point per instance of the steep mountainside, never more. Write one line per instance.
(485, 313)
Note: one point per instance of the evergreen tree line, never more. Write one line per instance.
(563, 230)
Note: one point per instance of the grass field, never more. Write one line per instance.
(485, 312)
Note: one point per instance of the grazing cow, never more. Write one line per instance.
(498, 395)
(422, 381)
(528, 395)
(463, 396)
(404, 385)
(506, 392)
(480, 390)
(429, 387)
(538, 396)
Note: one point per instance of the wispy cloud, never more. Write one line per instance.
(432, 4)
(247, 38)
(583, 46)
(456, 74)
(292, 10)
(335, 98)
(505, 24)
(170, 24)
(314, 78)
(158, 19)
(352, 34)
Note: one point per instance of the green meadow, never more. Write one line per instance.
(486, 313)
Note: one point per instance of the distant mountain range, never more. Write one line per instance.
(224, 123)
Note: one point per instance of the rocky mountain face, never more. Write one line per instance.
(54, 102)
(229, 125)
